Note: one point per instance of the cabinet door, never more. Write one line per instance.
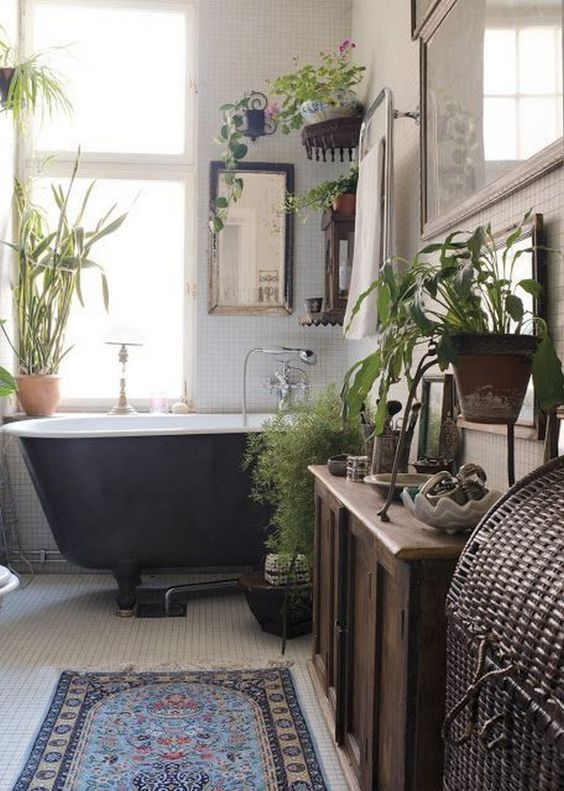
(329, 514)
(361, 650)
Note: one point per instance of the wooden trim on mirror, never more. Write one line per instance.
(285, 307)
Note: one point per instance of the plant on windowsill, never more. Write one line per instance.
(278, 458)
(28, 85)
(466, 311)
(51, 260)
(320, 92)
(327, 195)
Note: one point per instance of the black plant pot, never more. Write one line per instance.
(6, 77)
(266, 602)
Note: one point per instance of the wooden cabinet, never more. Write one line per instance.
(379, 635)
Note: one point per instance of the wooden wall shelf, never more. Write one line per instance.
(328, 138)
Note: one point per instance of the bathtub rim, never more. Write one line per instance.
(132, 425)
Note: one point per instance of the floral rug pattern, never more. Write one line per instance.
(226, 730)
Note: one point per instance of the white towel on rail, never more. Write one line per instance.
(368, 241)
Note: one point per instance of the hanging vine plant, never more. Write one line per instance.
(231, 138)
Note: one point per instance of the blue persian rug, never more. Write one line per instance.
(221, 730)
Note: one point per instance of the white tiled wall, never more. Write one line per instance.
(241, 45)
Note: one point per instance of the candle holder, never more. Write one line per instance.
(122, 406)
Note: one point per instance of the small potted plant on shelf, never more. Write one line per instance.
(51, 261)
(340, 195)
(320, 92)
(466, 311)
(308, 433)
(29, 84)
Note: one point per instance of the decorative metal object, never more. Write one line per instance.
(122, 407)
(257, 122)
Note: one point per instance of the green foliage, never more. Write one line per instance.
(323, 195)
(34, 86)
(50, 264)
(469, 290)
(333, 72)
(230, 137)
(279, 457)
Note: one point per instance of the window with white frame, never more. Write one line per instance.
(522, 90)
(129, 67)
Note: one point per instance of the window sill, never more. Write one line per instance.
(521, 432)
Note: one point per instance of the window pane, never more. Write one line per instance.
(126, 70)
(500, 129)
(500, 62)
(538, 62)
(540, 122)
(144, 260)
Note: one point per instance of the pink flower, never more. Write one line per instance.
(346, 44)
(271, 110)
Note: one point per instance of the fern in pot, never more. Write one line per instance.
(466, 310)
(51, 260)
(278, 456)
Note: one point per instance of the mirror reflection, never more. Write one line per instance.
(493, 94)
(250, 259)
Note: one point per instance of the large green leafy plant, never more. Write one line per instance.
(470, 290)
(30, 85)
(50, 264)
(279, 457)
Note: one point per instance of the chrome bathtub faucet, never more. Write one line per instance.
(281, 382)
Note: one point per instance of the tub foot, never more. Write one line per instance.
(127, 577)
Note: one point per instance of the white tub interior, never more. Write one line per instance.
(83, 426)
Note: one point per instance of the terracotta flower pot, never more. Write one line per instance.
(39, 396)
(492, 373)
(345, 203)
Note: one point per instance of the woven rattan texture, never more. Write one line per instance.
(505, 699)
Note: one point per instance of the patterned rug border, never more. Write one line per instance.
(306, 733)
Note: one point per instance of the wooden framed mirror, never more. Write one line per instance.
(491, 103)
(250, 261)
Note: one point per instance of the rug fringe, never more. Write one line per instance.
(204, 663)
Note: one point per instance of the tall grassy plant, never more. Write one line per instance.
(279, 456)
(50, 265)
(33, 86)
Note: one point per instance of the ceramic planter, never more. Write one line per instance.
(39, 396)
(344, 105)
(492, 373)
(345, 203)
(266, 602)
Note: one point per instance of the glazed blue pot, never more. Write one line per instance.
(345, 105)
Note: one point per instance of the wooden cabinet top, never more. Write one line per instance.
(403, 536)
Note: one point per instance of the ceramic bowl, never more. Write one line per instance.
(337, 465)
(381, 482)
(447, 515)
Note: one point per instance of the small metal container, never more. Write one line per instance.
(358, 467)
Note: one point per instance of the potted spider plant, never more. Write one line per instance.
(465, 310)
(51, 261)
(29, 84)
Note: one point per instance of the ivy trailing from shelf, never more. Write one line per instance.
(231, 138)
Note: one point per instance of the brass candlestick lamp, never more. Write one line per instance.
(122, 406)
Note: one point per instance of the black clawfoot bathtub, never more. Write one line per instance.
(145, 491)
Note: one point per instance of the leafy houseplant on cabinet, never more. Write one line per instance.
(51, 261)
(468, 311)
